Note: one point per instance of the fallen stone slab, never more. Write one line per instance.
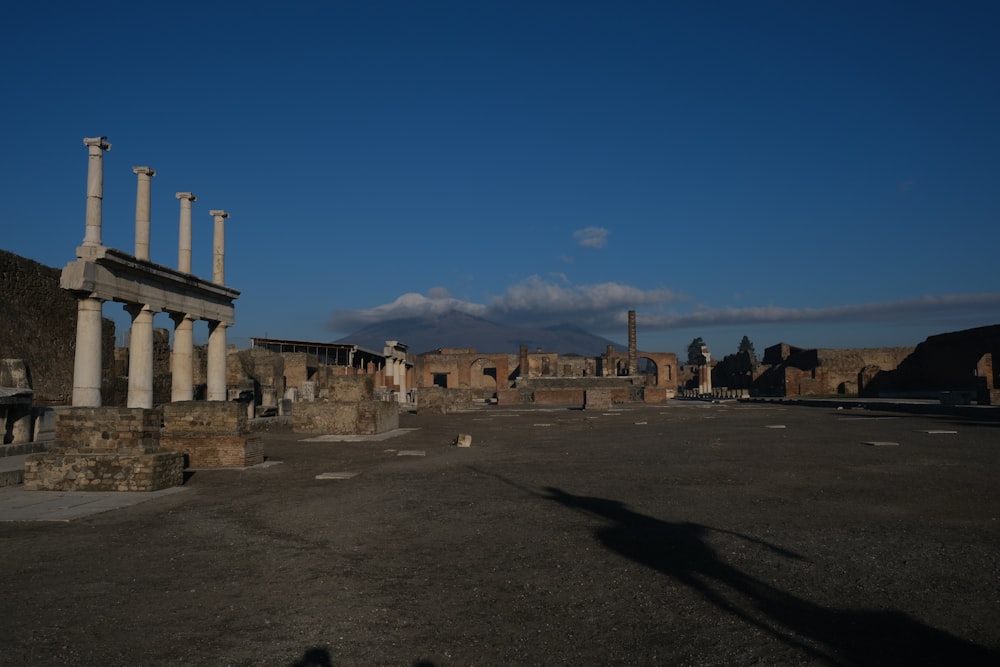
(880, 443)
(336, 475)
(463, 440)
(411, 452)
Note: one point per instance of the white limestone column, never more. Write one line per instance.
(95, 189)
(140, 357)
(216, 371)
(87, 362)
(219, 247)
(184, 238)
(182, 358)
(142, 196)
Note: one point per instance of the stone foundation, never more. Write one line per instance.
(211, 434)
(105, 449)
(60, 471)
(366, 417)
(597, 399)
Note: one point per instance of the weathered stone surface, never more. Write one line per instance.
(363, 417)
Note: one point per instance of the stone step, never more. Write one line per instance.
(12, 470)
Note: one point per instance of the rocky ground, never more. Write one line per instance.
(689, 534)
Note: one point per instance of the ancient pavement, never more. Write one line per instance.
(694, 533)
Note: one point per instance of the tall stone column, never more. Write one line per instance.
(523, 361)
(184, 236)
(401, 380)
(216, 371)
(182, 358)
(633, 356)
(95, 188)
(219, 247)
(142, 207)
(140, 357)
(87, 362)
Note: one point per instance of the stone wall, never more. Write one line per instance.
(211, 434)
(38, 325)
(105, 449)
(439, 399)
(336, 418)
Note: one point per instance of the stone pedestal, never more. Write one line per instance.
(211, 434)
(105, 449)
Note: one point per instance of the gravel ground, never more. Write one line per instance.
(687, 534)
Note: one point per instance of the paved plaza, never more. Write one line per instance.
(684, 534)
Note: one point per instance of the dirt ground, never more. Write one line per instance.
(688, 534)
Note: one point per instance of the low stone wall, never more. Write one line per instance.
(512, 397)
(211, 434)
(439, 399)
(597, 399)
(345, 418)
(657, 394)
(567, 397)
(105, 449)
(58, 471)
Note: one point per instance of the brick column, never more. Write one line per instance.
(140, 357)
(95, 188)
(633, 362)
(184, 236)
(145, 175)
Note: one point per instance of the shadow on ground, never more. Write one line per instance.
(841, 636)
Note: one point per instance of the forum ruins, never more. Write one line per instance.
(139, 416)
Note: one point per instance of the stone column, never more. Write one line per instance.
(216, 371)
(87, 363)
(219, 247)
(140, 357)
(184, 239)
(95, 189)
(401, 380)
(523, 361)
(145, 175)
(633, 361)
(182, 358)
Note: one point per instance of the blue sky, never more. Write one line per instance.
(821, 173)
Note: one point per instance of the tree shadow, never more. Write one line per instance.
(840, 636)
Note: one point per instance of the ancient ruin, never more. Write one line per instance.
(126, 453)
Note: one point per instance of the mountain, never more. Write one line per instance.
(460, 330)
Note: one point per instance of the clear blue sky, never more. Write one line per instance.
(821, 173)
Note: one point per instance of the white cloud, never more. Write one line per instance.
(591, 237)
(920, 308)
(438, 302)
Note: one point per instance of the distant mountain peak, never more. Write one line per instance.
(456, 329)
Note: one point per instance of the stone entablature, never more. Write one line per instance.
(112, 275)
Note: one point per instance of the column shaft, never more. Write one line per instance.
(219, 247)
(184, 237)
(87, 363)
(182, 359)
(216, 371)
(95, 188)
(142, 206)
(140, 358)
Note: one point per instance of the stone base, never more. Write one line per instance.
(337, 418)
(217, 451)
(60, 470)
(597, 399)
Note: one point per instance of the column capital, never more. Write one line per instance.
(99, 142)
(219, 214)
(143, 170)
(186, 195)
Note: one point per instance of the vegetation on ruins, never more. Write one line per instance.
(694, 352)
